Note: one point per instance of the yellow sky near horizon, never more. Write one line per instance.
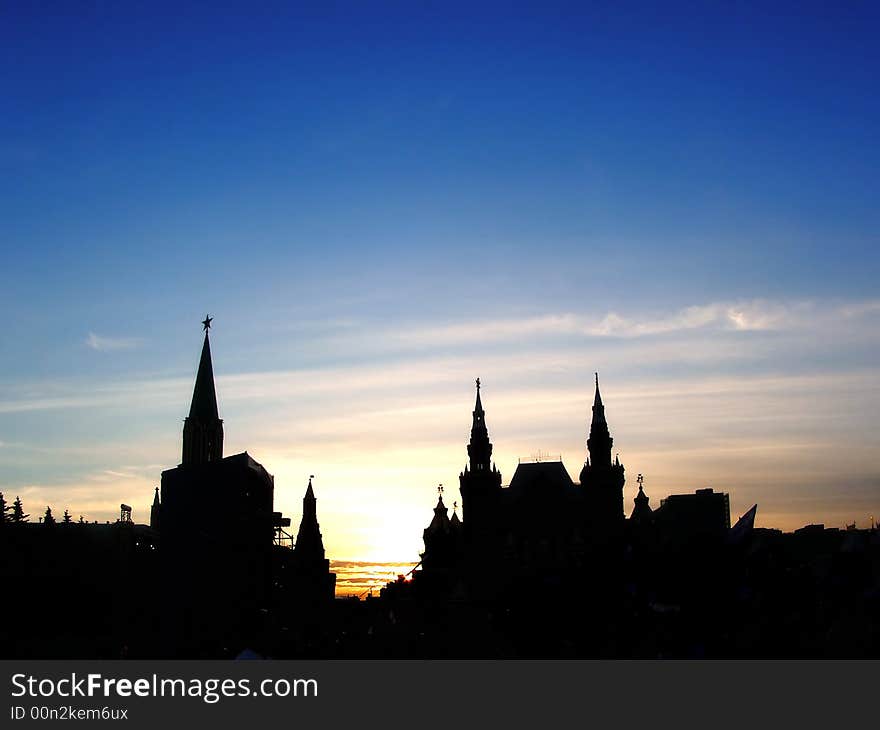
(376, 485)
(688, 407)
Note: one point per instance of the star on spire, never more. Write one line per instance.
(206, 322)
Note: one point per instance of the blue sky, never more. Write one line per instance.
(674, 194)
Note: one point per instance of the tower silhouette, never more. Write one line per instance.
(312, 582)
(479, 448)
(540, 527)
(216, 516)
(436, 537)
(599, 442)
(203, 428)
(601, 479)
(480, 482)
(156, 512)
(642, 510)
(309, 544)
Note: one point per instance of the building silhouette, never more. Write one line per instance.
(218, 535)
(543, 566)
(156, 511)
(202, 428)
(691, 516)
(541, 529)
(313, 583)
(601, 479)
(642, 512)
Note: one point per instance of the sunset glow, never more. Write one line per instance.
(373, 221)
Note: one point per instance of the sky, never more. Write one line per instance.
(379, 202)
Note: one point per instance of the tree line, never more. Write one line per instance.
(16, 514)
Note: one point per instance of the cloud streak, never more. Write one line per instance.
(730, 395)
(755, 315)
(111, 344)
(522, 348)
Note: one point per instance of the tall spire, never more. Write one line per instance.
(155, 509)
(204, 400)
(599, 443)
(203, 429)
(479, 448)
(310, 576)
(598, 408)
(480, 482)
(309, 544)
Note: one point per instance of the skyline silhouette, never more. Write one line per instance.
(203, 441)
(380, 204)
(542, 567)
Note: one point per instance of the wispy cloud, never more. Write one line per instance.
(748, 396)
(522, 348)
(68, 394)
(745, 316)
(119, 474)
(740, 316)
(109, 344)
(755, 315)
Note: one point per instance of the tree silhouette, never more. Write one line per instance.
(48, 519)
(66, 518)
(4, 508)
(18, 514)
(81, 520)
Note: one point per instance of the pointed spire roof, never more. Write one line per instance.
(642, 510)
(478, 428)
(155, 511)
(479, 448)
(598, 408)
(479, 413)
(204, 400)
(440, 523)
(309, 544)
(599, 441)
(310, 502)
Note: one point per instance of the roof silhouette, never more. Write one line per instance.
(541, 475)
(598, 408)
(204, 400)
